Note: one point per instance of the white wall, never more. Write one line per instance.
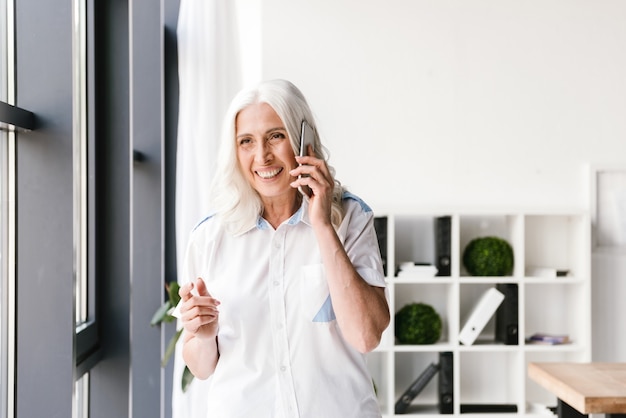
(458, 102)
(449, 103)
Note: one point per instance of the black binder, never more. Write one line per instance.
(506, 315)
(380, 225)
(446, 383)
(416, 387)
(488, 408)
(443, 245)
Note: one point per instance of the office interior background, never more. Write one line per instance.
(424, 105)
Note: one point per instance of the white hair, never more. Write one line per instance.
(235, 203)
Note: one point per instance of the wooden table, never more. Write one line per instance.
(584, 388)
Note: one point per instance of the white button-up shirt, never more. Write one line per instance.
(282, 354)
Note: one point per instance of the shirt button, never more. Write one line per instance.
(283, 368)
(276, 282)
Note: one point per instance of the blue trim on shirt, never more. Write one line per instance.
(364, 206)
(299, 215)
(326, 313)
(202, 221)
(296, 217)
(262, 224)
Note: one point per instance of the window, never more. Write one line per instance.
(50, 241)
(83, 207)
(7, 304)
(79, 61)
(88, 215)
(81, 397)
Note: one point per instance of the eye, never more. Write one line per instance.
(246, 142)
(276, 136)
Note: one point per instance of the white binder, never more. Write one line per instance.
(480, 315)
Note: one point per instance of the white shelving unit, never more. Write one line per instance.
(487, 372)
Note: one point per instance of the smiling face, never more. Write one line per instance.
(264, 152)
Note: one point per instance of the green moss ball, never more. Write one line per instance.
(417, 323)
(488, 256)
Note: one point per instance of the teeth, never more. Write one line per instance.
(269, 174)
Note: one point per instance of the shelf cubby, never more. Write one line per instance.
(489, 371)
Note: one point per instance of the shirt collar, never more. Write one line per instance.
(301, 215)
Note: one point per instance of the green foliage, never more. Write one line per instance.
(164, 314)
(417, 323)
(488, 256)
(171, 347)
(187, 379)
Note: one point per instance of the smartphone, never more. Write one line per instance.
(306, 138)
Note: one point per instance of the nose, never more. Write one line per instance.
(263, 153)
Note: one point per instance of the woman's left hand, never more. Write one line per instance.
(320, 181)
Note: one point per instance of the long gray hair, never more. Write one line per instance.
(236, 204)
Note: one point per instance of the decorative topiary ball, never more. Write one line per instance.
(488, 256)
(417, 323)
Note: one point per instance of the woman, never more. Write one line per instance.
(286, 292)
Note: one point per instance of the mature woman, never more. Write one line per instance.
(286, 292)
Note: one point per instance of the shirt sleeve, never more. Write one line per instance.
(361, 242)
(196, 254)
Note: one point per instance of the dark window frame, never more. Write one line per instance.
(87, 345)
(126, 203)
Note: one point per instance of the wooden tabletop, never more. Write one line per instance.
(588, 387)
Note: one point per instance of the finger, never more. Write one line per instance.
(310, 166)
(304, 181)
(305, 171)
(194, 325)
(201, 287)
(185, 291)
(316, 181)
(310, 160)
(307, 160)
(204, 297)
(190, 312)
(195, 303)
(196, 318)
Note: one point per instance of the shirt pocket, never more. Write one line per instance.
(316, 305)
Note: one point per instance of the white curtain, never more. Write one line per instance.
(209, 76)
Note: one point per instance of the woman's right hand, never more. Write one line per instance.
(199, 313)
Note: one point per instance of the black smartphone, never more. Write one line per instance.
(306, 138)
